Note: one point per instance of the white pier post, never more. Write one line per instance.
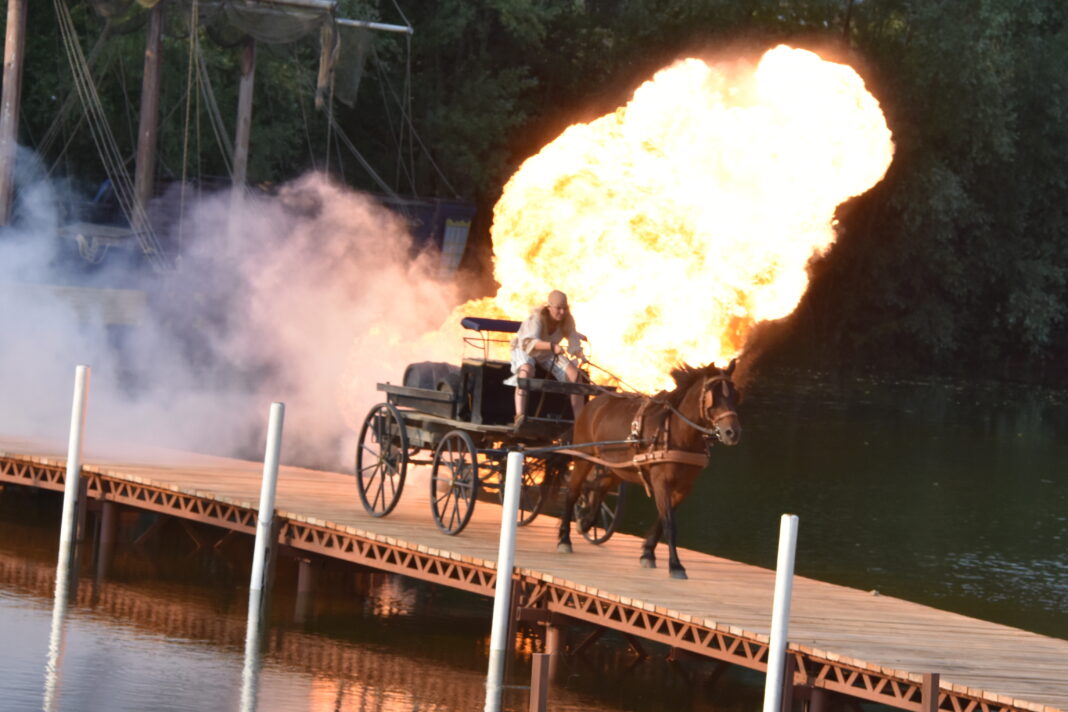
(66, 558)
(260, 568)
(780, 615)
(69, 526)
(502, 603)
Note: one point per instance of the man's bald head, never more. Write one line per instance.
(557, 299)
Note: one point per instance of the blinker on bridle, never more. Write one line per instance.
(708, 405)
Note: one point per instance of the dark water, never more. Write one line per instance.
(952, 496)
(949, 495)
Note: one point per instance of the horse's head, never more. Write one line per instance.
(718, 400)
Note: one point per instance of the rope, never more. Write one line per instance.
(344, 139)
(105, 142)
(633, 391)
(407, 119)
(218, 127)
(68, 102)
(194, 50)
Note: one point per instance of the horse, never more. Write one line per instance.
(668, 439)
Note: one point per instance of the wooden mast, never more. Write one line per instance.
(14, 51)
(145, 169)
(244, 112)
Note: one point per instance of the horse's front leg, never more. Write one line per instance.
(675, 567)
(574, 487)
(667, 498)
(648, 558)
(563, 536)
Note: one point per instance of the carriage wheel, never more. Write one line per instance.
(381, 460)
(532, 491)
(454, 481)
(606, 518)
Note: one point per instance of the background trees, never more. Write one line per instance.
(958, 260)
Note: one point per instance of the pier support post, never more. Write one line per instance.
(105, 542)
(929, 692)
(788, 683)
(780, 615)
(539, 682)
(305, 587)
(502, 604)
(554, 646)
(817, 700)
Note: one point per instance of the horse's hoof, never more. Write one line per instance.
(648, 563)
(563, 548)
(679, 574)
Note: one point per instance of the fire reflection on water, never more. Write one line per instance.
(369, 641)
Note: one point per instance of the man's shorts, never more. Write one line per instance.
(556, 365)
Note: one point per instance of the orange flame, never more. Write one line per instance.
(682, 219)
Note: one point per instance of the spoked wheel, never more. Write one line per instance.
(607, 504)
(532, 491)
(454, 481)
(381, 460)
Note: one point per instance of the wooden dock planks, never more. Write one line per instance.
(995, 664)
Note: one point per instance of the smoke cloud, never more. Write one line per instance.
(310, 297)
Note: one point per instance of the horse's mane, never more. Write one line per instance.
(685, 376)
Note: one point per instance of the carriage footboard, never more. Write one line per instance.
(549, 385)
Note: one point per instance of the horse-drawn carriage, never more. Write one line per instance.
(459, 421)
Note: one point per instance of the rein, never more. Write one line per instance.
(634, 393)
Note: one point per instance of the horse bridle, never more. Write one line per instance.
(708, 402)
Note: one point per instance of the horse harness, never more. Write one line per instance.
(659, 446)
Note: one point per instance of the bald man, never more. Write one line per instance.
(539, 342)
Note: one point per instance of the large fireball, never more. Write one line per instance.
(682, 219)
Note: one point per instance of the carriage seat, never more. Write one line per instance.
(433, 375)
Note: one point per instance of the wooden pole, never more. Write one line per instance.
(14, 50)
(148, 128)
(244, 113)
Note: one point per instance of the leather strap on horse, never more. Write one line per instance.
(684, 457)
(653, 457)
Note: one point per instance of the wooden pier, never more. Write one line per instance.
(875, 648)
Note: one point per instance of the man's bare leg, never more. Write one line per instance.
(577, 400)
(524, 371)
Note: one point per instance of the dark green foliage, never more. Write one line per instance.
(957, 260)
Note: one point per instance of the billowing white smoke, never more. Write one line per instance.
(309, 297)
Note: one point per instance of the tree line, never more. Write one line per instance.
(955, 263)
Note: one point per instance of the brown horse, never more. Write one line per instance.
(671, 434)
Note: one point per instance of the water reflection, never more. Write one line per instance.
(55, 639)
(168, 631)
